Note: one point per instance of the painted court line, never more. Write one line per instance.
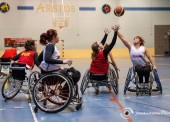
(2, 109)
(19, 107)
(114, 99)
(32, 111)
(154, 96)
(96, 99)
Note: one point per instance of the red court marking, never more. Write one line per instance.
(114, 99)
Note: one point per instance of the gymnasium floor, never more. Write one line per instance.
(105, 107)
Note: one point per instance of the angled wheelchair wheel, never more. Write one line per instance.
(157, 80)
(114, 81)
(85, 81)
(128, 78)
(11, 87)
(1, 75)
(52, 93)
(34, 76)
(113, 68)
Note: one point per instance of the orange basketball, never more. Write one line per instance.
(119, 11)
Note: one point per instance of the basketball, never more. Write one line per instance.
(119, 11)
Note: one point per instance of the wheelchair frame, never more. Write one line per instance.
(6, 62)
(50, 98)
(132, 77)
(11, 86)
(113, 77)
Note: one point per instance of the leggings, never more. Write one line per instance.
(143, 72)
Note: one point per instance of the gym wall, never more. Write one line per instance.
(30, 18)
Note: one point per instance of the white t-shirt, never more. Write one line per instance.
(50, 67)
(138, 56)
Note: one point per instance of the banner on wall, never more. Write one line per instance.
(17, 42)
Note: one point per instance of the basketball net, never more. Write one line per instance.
(59, 25)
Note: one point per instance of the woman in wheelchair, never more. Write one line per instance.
(59, 86)
(5, 60)
(137, 54)
(99, 65)
(21, 72)
(50, 56)
(29, 56)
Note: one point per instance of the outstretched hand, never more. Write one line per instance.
(155, 68)
(107, 31)
(67, 61)
(116, 27)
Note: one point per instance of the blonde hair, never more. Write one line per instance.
(95, 50)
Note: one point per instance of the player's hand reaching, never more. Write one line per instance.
(116, 27)
(107, 31)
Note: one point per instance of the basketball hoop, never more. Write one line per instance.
(60, 27)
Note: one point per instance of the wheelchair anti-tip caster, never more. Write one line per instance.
(29, 100)
(78, 106)
(137, 93)
(97, 91)
(35, 109)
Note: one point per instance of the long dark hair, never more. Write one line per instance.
(30, 45)
(48, 36)
(43, 39)
(95, 49)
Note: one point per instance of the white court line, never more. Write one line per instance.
(165, 79)
(127, 97)
(2, 109)
(167, 95)
(18, 107)
(32, 111)
(154, 96)
(96, 99)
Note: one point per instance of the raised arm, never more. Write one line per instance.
(106, 31)
(150, 58)
(125, 42)
(111, 45)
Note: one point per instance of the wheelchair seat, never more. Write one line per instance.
(99, 77)
(18, 71)
(5, 61)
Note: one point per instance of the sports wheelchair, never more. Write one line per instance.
(53, 92)
(132, 83)
(18, 80)
(4, 67)
(110, 79)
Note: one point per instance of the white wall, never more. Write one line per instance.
(86, 26)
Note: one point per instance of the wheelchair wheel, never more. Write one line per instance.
(113, 68)
(157, 80)
(1, 75)
(55, 90)
(114, 81)
(127, 81)
(34, 76)
(11, 87)
(85, 81)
